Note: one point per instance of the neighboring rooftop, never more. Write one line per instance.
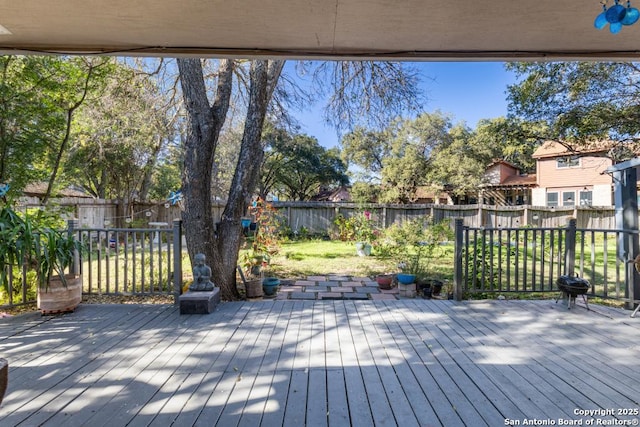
(39, 189)
(557, 149)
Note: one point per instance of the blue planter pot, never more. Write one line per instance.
(270, 285)
(363, 249)
(406, 279)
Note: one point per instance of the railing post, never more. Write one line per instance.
(457, 260)
(72, 226)
(570, 248)
(177, 260)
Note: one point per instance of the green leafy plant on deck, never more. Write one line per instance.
(30, 241)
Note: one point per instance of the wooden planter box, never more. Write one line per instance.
(58, 298)
(254, 288)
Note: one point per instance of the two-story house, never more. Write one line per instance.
(568, 176)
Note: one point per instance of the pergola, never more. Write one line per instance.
(355, 29)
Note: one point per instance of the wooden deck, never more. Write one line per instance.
(319, 363)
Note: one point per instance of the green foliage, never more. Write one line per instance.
(578, 101)
(366, 149)
(39, 96)
(119, 138)
(269, 224)
(31, 241)
(480, 260)
(297, 167)
(359, 227)
(362, 192)
(414, 243)
(345, 228)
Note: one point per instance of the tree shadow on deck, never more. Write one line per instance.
(410, 362)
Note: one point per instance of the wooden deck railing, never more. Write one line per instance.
(487, 260)
(125, 261)
(529, 260)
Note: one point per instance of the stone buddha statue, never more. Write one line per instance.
(201, 275)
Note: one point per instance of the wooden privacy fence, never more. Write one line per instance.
(530, 260)
(318, 217)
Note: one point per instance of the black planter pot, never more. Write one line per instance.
(436, 287)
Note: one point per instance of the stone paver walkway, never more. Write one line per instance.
(335, 288)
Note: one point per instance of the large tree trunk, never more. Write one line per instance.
(263, 78)
(200, 146)
(221, 249)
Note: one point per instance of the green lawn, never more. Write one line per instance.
(317, 257)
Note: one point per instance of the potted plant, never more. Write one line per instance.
(251, 274)
(384, 281)
(364, 232)
(270, 286)
(413, 244)
(409, 270)
(58, 290)
(29, 241)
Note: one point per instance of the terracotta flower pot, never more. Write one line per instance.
(384, 281)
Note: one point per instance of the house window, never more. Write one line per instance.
(567, 162)
(586, 198)
(552, 199)
(568, 198)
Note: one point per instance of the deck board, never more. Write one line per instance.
(319, 363)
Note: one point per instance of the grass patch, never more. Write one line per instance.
(299, 259)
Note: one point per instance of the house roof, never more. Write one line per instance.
(520, 180)
(38, 189)
(514, 181)
(556, 149)
(503, 162)
(429, 192)
(340, 194)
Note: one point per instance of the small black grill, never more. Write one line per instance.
(572, 286)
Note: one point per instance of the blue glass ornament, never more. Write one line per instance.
(601, 21)
(4, 189)
(175, 197)
(631, 17)
(615, 13)
(615, 27)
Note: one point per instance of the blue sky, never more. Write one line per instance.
(468, 91)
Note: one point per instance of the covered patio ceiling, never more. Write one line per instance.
(354, 29)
